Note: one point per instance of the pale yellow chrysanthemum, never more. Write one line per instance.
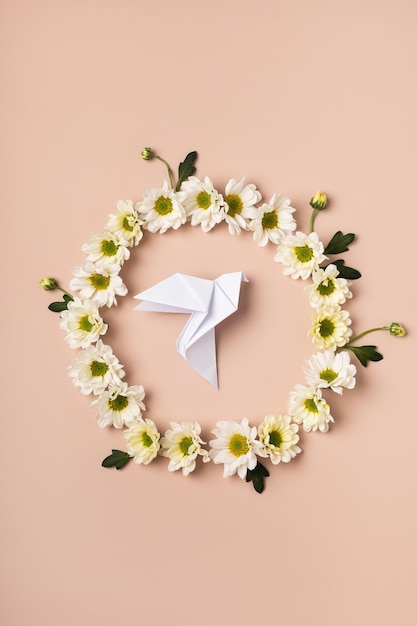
(142, 439)
(236, 445)
(82, 323)
(331, 328)
(182, 445)
(119, 405)
(307, 407)
(327, 290)
(279, 438)
(125, 223)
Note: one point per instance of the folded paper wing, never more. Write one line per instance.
(208, 301)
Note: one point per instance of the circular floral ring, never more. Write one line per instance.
(237, 445)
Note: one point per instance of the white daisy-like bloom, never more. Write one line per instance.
(273, 220)
(125, 223)
(119, 405)
(307, 407)
(142, 439)
(301, 254)
(203, 203)
(330, 369)
(105, 249)
(82, 323)
(162, 208)
(236, 446)
(330, 328)
(279, 438)
(240, 200)
(182, 445)
(327, 290)
(95, 368)
(99, 285)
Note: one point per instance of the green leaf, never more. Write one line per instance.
(57, 307)
(339, 243)
(257, 476)
(344, 271)
(365, 353)
(117, 459)
(186, 168)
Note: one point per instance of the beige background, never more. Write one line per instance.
(297, 96)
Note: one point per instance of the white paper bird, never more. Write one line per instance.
(208, 301)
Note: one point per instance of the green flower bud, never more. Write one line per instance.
(48, 283)
(147, 154)
(319, 201)
(397, 330)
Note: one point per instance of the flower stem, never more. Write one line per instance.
(171, 179)
(312, 218)
(366, 332)
(66, 292)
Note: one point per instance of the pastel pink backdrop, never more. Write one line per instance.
(297, 96)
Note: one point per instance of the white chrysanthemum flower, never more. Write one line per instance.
(240, 200)
(161, 209)
(301, 254)
(327, 290)
(82, 323)
(119, 405)
(182, 444)
(203, 203)
(125, 224)
(308, 407)
(95, 368)
(330, 369)
(236, 446)
(104, 249)
(101, 286)
(142, 438)
(279, 438)
(273, 220)
(331, 328)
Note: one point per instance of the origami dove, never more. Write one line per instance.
(208, 301)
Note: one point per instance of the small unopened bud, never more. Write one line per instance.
(48, 283)
(319, 201)
(147, 154)
(397, 330)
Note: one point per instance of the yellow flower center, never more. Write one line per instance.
(128, 222)
(185, 444)
(146, 440)
(98, 368)
(85, 324)
(270, 220)
(328, 375)
(238, 445)
(235, 204)
(310, 405)
(99, 281)
(118, 403)
(163, 206)
(303, 253)
(275, 438)
(326, 287)
(203, 200)
(108, 248)
(326, 328)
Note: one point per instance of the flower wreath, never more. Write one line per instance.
(237, 445)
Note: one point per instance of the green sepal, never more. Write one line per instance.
(117, 459)
(344, 271)
(57, 307)
(365, 353)
(339, 243)
(186, 168)
(257, 477)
